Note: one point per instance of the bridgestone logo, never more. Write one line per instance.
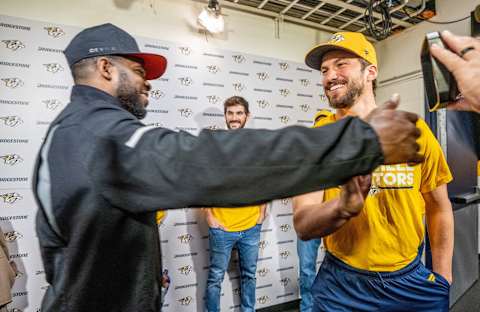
(214, 55)
(186, 66)
(304, 95)
(262, 63)
(43, 49)
(13, 102)
(24, 179)
(15, 64)
(213, 84)
(13, 140)
(148, 45)
(10, 218)
(212, 115)
(49, 86)
(15, 26)
(304, 69)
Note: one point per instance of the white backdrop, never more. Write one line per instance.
(35, 86)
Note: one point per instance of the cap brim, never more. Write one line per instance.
(313, 59)
(154, 64)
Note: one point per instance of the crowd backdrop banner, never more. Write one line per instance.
(35, 85)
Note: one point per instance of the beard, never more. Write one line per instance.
(354, 90)
(129, 98)
(239, 122)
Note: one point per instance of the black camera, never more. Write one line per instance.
(440, 85)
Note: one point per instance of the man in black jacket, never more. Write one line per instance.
(101, 173)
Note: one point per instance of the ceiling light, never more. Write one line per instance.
(211, 18)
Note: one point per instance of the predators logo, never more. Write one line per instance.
(238, 58)
(12, 83)
(263, 103)
(285, 281)
(285, 227)
(157, 94)
(236, 291)
(53, 67)
(13, 45)
(11, 121)
(185, 238)
(284, 119)
(283, 66)
(12, 236)
(213, 69)
(185, 112)
(323, 97)
(263, 299)
(185, 50)
(262, 244)
(284, 254)
(213, 99)
(336, 38)
(11, 159)
(186, 81)
(19, 274)
(238, 86)
(55, 32)
(185, 270)
(10, 198)
(262, 76)
(305, 107)
(263, 272)
(52, 104)
(156, 124)
(285, 201)
(185, 301)
(284, 92)
(305, 82)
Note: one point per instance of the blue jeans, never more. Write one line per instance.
(221, 245)
(307, 254)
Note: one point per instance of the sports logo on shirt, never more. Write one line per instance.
(239, 59)
(284, 92)
(11, 121)
(213, 69)
(10, 198)
(55, 32)
(185, 50)
(185, 301)
(185, 238)
(12, 236)
(11, 159)
(12, 83)
(185, 270)
(283, 66)
(52, 104)
(262, 76)
(392, 177)
(157, 94)
(305, 82)
(13, 45)
(263, 103)
(53, 67)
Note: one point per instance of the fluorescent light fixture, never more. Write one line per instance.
(211, 18)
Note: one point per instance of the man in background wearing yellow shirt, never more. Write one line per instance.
(373, 226)
(229, 227)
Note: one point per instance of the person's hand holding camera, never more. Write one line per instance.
(463, 61)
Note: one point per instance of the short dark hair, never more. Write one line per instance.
(235, 100)
(81, 70)
(364, 65)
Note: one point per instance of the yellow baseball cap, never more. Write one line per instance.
(353, 42)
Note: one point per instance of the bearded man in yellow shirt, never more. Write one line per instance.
(373, 226)
(229, 227)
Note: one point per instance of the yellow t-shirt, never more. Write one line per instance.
(237, 219)
(160, 215)
(385, 236)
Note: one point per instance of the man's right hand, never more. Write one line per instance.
(214, 223)
(396, 132)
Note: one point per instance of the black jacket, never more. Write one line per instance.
(101, 174)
